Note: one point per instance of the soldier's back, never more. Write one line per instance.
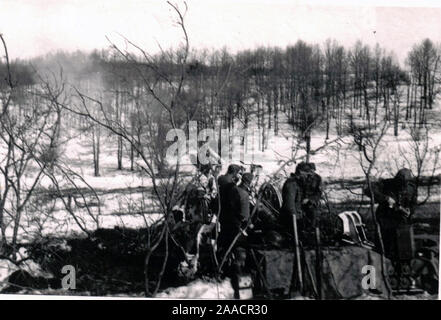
(224, 180)
(291, 200)
(229, 195)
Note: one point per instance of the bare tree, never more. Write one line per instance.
(423, 159)
(424, 61)
(368, 144)
(29, 135)
(161, 80)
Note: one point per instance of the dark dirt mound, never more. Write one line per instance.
(22, 279)
(109, 261)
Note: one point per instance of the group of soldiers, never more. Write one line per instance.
(231, 203)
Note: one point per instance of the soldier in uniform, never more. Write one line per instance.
(207, 182)
(198, 197)
(235, 212)
(301, 194)
(246, 183)
(233, 174)
(311, 185)
(234, 219)
(225, 182)
(396, 200)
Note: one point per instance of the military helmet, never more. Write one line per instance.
(305, 167)
(404, 175)
(234, 169)
(247, 178)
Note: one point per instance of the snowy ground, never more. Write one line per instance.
(200, 289)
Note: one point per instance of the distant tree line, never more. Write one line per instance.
(314, 87)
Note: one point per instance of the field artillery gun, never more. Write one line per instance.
(344, 245)
(414, 270)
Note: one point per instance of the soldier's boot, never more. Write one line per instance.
(241, 282)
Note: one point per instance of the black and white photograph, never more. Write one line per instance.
(220, 150)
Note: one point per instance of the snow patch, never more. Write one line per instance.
(200, 289)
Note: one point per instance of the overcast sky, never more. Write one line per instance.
(34, 27)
